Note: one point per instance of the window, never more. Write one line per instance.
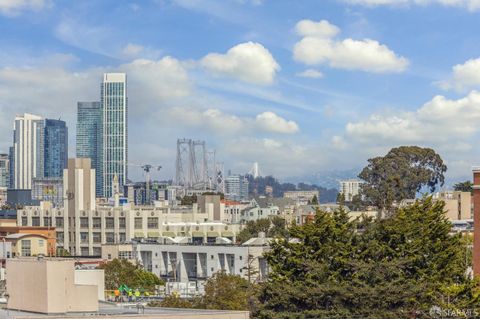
(121, 222)
(125, 255)
(152, 222)
(97, 238)
(47, 221)
(122, 237)
(138, 223)
(84, 251)
(35, 221)
(60, 237)
(84, 238)
(83, 222)
(26, 248)
(24, 221)
(59, 221)
(97, 251)
(109, 238)
(96, 222)
(109, 223)
(41, 243)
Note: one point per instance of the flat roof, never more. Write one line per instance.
(109, 309)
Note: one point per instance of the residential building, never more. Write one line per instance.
(48, 189)
(115, 130)
(232, 210)
(27, 245)
(267, 207)
(27, 151)
(4, 171)
(55, 148)
(458, 205)
(48, 286)
(302, 197)
(89, 138)
(46, 232)
(350, 188)
(236, 187)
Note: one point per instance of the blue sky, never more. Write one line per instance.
(298, 86)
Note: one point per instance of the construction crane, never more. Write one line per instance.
(147, 168)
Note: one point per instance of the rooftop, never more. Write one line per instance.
(112, 310)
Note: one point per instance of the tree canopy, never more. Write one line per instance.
(466, 186)
(274, 227)
(395, 268)
(121, 271)
(401, 174)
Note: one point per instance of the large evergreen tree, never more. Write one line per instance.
(395, 268)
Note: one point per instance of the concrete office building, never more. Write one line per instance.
(187, 263)
(79, 191)
(89, 138)
(350, 188)
(84, 233)
(115, 130)
(28, 155)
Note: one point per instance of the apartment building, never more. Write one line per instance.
(458, 205)
(302, 197)
(350, 188)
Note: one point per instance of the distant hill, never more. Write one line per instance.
(326, 179)
(258, 185)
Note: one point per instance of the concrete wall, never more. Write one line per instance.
(95, 277)
(47, 286)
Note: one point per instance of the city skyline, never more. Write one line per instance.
(297, 114)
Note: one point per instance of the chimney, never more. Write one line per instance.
(476, 221)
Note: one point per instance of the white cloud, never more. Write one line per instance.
(441, 122)
(464, 76)
(132, 50)
(318, 46)
(249, 62)
(311, 73)
(14, 7)
(471, 5)
(270, 121)
(220, 122)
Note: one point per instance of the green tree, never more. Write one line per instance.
(121, 271)
(341, 199)
(274, 227)
(357, 203)
(188, 200)
(466, 186)
(314, 200)
(394, 268)
(172, 301)
(400, 174)
(226, 292)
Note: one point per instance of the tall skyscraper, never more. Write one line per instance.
(4, 171)
(55, 147)
(90, 137)
(27, 152)
(115, 130)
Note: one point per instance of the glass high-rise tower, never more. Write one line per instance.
(115, 130)
(55, 148)
(89, 138)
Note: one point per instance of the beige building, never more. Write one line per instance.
(350, 188)
(458, 205)
(47, 286)
(26, 245)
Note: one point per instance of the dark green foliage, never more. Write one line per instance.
(394, 268)
(188, 200)
(466, 186)
(121, 271)
(400, 175)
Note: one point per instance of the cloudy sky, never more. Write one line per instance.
(297, 86)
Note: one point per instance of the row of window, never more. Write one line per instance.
(97, 238)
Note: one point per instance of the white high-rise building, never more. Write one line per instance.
(115, 130)
(28, 155)
(350, 188)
